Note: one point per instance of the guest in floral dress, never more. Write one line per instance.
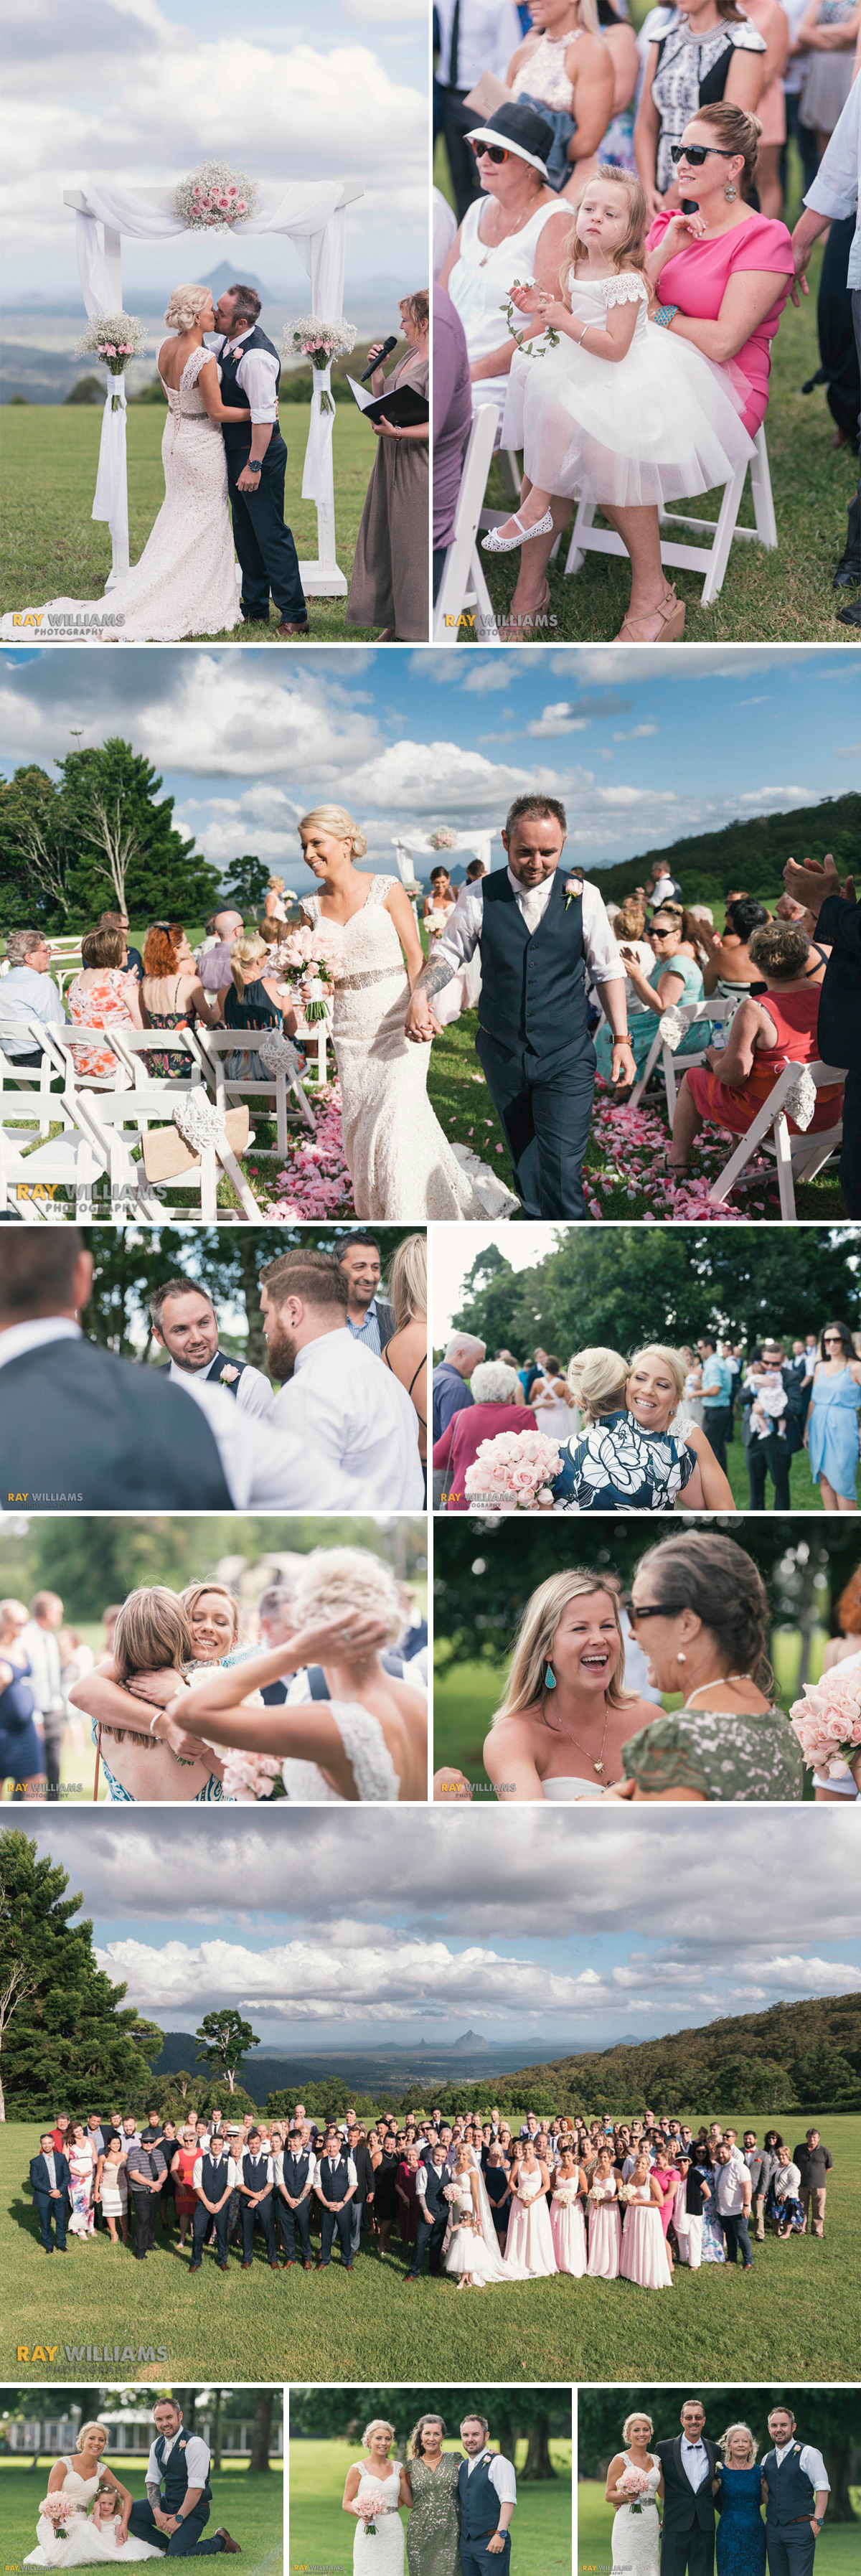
(433, 2530)
(106, 990)
(82, 2169)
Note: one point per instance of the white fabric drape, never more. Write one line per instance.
(111, 499)
(479, 843)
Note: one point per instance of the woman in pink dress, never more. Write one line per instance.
(605, 2225)
(667, 2179)
(566, 2216)
(644, 2257)
(722, 273)
(529, 2242)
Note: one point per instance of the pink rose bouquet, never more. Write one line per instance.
(634, 2486)
(214, 198)
(248, 1777)
(367, 2508)
(513, 1472)
(57, 2510)
(302, 960)
(827, 1722)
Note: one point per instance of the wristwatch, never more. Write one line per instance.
(255, 465)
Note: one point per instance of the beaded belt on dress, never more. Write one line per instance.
(356, 983)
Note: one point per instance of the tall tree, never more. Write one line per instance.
(245, 885)
(65, 2029)
(225, 2041)
(163, 872)
(624, 1285)
(261, 2437)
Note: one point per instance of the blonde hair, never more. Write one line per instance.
(416, 2445)
(639, 2416)
(418, 308)
(194, 1592)
(186, 303)
(377, 2425)
(153, 1629)
(408, 1280)
(671, 1359)
(335, 819)
(93, 2427)
(533, 1645)
(245, 956)
(276, 885)
(631, 250)
(724, 2440)
(335, 1579)
(740, 131)
(12, 1609)
(597, 1379)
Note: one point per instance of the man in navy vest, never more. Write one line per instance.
(50, 2178)
(539, 932)
(178, 2491)
(184, 1323)
(433, 2211)
(335, 2182)
(214, 2180)
(294, 2182)
(488, 2495)
(795, 2488)
(255, 2179)
(256, 465)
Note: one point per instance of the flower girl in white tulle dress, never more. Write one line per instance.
(84, 2516)
(615, 410)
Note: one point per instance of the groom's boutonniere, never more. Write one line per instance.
(228, 1375)
(572, 888)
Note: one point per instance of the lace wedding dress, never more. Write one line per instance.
(636, 2536)
(185, 582)
(87, 2543)
(368, 1756)
(384, 2554)
(400, 1163)
(465, 2251)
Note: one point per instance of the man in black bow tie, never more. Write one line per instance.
(688, 2463)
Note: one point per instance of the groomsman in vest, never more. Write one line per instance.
(540, 932)
(184, 1324)
(433, 2211)
(214, 2178)
(255, 2180)
(256, 465)
(488, 2495)
(294, 2183)
(334, 2185)
(178, 2491)
(50, 2178)
(795, 2488)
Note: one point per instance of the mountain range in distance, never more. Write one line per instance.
(39, 331)
(385, 2069)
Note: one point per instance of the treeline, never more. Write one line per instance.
(750, 853)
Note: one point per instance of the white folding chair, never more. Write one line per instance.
(22, 1093)
(713, 1007)
(63, 1045)
(216, 1045)
(463, 587)
(313, 1036)
(28, 1180)
(182, 1046)
(797, 1157)
(709, 560)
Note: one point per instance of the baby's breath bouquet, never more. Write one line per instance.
(113, 338)
(321, 342)
(214, 198)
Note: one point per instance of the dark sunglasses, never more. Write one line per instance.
(697, 153)
(489, 152)
(659, 1610)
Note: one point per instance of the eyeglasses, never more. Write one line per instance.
(832, 1337)
(696, 153)
(489, 152)
(658, 1610)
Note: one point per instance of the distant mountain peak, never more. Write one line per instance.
(470, 2039)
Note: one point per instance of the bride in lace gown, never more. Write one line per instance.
(89, 2538)
(382, 2485)
(400, 1163)
(185, 582)
(636, 2536)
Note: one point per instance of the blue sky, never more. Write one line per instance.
(331, 1930)
(151, 87)
(642, 745)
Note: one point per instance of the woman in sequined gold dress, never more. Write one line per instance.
(433, 2530)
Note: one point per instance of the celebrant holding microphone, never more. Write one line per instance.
(389, 584)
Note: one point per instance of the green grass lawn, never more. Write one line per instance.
(796, 2315)
(251, 2508)
(785, 596)
(321, 2534)
(54, 550)
(837, 2547)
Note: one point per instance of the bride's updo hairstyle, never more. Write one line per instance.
(186, 305)
(705, 1572)
(377, 2425)
(90, 2428)
(597, 1379)
(639, 2416)
(417, 2441)
(337, 1579)
(724, 2440)
(335, 819)
(533, 1644)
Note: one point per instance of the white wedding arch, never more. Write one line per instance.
(480, 844)
(313, 215)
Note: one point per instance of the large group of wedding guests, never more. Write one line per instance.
(665, 2498)
(620, 204)
(337, 1424)
(605, 2199)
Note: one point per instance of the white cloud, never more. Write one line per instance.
(556, 719)
(638, 733)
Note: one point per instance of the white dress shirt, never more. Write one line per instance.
(352, 2176)
(810, 2460)
(460, 937)
(500, 2473)
(40, 1645)
(25, 995)
(197, 2459)
(353, 1426)
(490, 32)
(731, 2193)
(695, 2462)
(254, 1393)
(257, 374)
(226, 2179)
(836, 189)
(262, 1471)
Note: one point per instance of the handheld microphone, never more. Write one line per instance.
(388, 345)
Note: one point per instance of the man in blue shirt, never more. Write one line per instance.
(451, 1391)
(28, 991)
(370, 1318)
(717, 1398)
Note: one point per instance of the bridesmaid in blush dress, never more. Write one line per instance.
(605, 2225)
(644, 2254)
(566, 2216)
(529, 2242)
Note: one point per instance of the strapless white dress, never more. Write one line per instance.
(87, 2543)
(664, 423)
(368, 1756)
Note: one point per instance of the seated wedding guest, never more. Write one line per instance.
(628, 924)
(495, 1405)
(389, 580)
(370, 1317)
(253, 1001)
(729, 970)
(516, 228)
(21, 1756)
(566, 1714)
(353, 1421)
(674, 981)
(729, 1089)
(704, 1603)
(214, 956)
(710, 53)
(783, 2208)
(563, 67)
(633, 1454)
(184, 1323)
(172, 994)
(27, 992)
(105, 990)
(405, 1351)
(452, 418)
(131, 957)
(722, 274)
(368, 1741)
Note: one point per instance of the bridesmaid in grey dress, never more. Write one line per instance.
(433, 2530)
(389, 585)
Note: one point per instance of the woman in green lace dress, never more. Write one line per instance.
(433, 2530)
(699, 1609)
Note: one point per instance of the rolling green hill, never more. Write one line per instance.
(799, 2053)
(750, 853)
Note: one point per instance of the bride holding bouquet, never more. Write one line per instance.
(635, 2481)
(375, 2488)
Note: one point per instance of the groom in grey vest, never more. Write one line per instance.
(539, 932)
(796, 2488)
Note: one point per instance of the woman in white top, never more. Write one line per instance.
(112, 2190)
(564, 63)
(566, 1714)
(553, 1403)
(514, 230)
(96, 2511)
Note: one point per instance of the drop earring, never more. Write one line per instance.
(550, 1678)
(730, 192)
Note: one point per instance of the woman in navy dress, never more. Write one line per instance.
(20, 1750)
(737, 2490)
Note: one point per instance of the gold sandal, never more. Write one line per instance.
(670, 632)
(516, 630)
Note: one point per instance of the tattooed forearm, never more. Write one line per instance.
(154, 2493)
(433, 978)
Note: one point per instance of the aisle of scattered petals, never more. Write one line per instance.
(631, 1145)
(315, 1182)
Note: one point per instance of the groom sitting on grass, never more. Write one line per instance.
(178, 2491)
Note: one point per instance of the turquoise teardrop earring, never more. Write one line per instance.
(550, 1678)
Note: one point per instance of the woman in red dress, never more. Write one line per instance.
(182, 2169)
(729, 1088)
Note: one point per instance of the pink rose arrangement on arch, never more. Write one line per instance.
(214, 198)
(112, 338)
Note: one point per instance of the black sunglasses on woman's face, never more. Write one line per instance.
(489, 152)
(658, 1610)
(697, 153)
